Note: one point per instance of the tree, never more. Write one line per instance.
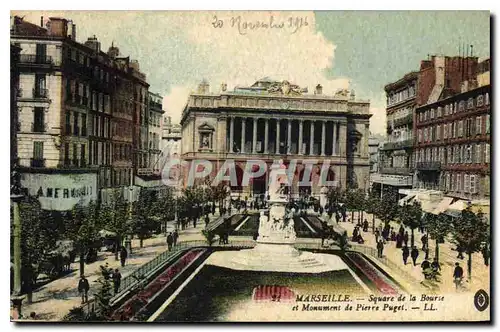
(39, 234)
(218, 194)
(144, 210)
(411, 216)
(470, 230)
(104, 294)
(438, 227)
(114, 216)
(387, 208)
(371, 205)
(86, 223)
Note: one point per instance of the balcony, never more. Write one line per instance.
(408, 143)
(392, 180)
(40, 93)
(37, 162)
(395, 170)
(429, 166)
(35, 59)
(155, 105)
(403, 120)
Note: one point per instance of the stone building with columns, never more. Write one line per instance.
(273, 120)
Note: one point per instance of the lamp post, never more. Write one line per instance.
(15, 198)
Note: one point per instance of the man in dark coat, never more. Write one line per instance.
(117, 279)
(405, 238)
(424, 240)
(123, 256)
(83, 288)
(207, 221)
(175, 236)
(170, 241)
(380, 248)
(365, 226)
(458, 274)
(406, 253)
(414, 255)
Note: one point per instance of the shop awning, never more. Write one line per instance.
(443, 205)
(406, 199)
(456, 208)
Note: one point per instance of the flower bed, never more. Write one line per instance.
(141, 299)
(383, 284)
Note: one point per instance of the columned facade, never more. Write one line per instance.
(273, 125)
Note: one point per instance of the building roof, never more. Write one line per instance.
(402, 81)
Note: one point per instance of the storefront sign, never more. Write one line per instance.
(60, 192)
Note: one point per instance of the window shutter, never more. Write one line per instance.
(465, 184)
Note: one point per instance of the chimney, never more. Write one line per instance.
(223, 87)
(113, 51)
(58, 27)
(41, 22)
(318, 90)
(94, 44)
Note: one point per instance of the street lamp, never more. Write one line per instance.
(16, 197)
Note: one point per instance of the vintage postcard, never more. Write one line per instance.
(250, 166)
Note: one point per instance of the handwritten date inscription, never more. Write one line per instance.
(292, 24)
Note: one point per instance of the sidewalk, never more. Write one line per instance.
(54, 300)
(447, 259)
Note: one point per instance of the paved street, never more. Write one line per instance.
(448, 258)
(53, 300)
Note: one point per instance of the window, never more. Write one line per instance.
(445, 131)
(426, 133)
(425, 115)
(462, 154)
(38, 150)
(468, 154)
(101, 102)
(76, 128)
(478, 125)
(82, 155)
(41, 52)
(39, 119)
(477, 159)
(470, 103)
(487, 99)
(40, 90)
(75, 154)
(473, 187)
(68, 123)
(420, 135)
(66, 153)
(466, 183)
(487, 123)
(84, 124)
(461, 106)
(460, 128)
(448, 182)
(487, 153)
(432, 113)
(446, 109)
(420, 116)
(480, 100)
(439, 112)
(450, 155)
(438, 133)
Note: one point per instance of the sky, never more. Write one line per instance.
(337, 49)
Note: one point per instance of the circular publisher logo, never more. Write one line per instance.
(481, 300)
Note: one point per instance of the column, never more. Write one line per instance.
(334, 146)
(323, 137)
(243, 130)
(231, 134)
(311, 140)
(266, 136)
(277, 136)
(301, 127)
(254, 142)
(289, 138)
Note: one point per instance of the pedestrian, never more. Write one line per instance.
(83, 288)
(377, 236)
(123, 256)
(460, 252)
(414, 255)
(175, 236)
(170, 241)
(355, 233)
(226, 237)
(425, 264)
(405, 238)
(424, 241)
(426, 253)
(399, 240)
(486, 254)
(458, 274)
(435, 265)
(406, 253)
(117, 279)
(207, 220)
(380, 248)
(393, 235)
(365, 226)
